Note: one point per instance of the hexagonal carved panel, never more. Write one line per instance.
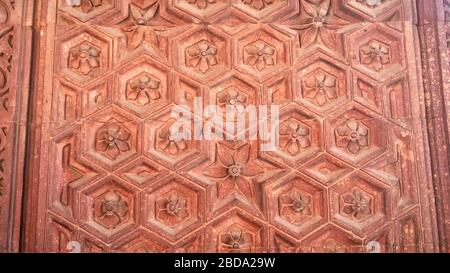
(142, 87)
(202, 53)
(378, 52)
(236, 232)
(109, 208)
(323, 84)
(84, 54)
(355, 136)
(173, 206)
(298, 205)
(110, 138)
(261, 52)
(117, 161)
(299, 136)
(359, 203)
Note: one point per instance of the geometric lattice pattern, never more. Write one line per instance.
(345, 169)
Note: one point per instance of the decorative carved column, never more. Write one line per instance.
(434, 31)
(15, 54)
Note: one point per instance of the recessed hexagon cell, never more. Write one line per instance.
(84, 54)
(108, 208)
(372, 8)
(299, 205)
(323, 83)
(355, 134)
(141, 241)
(326, 169)
(377, 51)
(236, 232)
(143, 172)
(261, 9)
(86, 10)
(143, 87)
(174, 207)
(110, 138)
(278, 90)
(331, 240)
(299, 136)
(359, 203)
(202, 53)
(202, 9)
(261, 52)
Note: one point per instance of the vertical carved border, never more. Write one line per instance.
(15, 62)
(434, 33)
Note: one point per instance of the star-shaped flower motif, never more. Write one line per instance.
(233, 169)
(318, 24)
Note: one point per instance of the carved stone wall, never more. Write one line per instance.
(363, 124)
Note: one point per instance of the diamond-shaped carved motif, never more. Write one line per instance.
(142, 172)
(141, 241)
(326, 169)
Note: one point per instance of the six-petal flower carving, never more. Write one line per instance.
(294, 137)
(260, 55)
(110, 210)
(375, 55)
(320, 88)
(84, 58)
(357, 204)
(201, 56)
(172, 209)
(141, 30)
(236, 240)
(295, 206)
(112, 139)
(143, 90)
(353, 136)
(233, 169)
(318, 24)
